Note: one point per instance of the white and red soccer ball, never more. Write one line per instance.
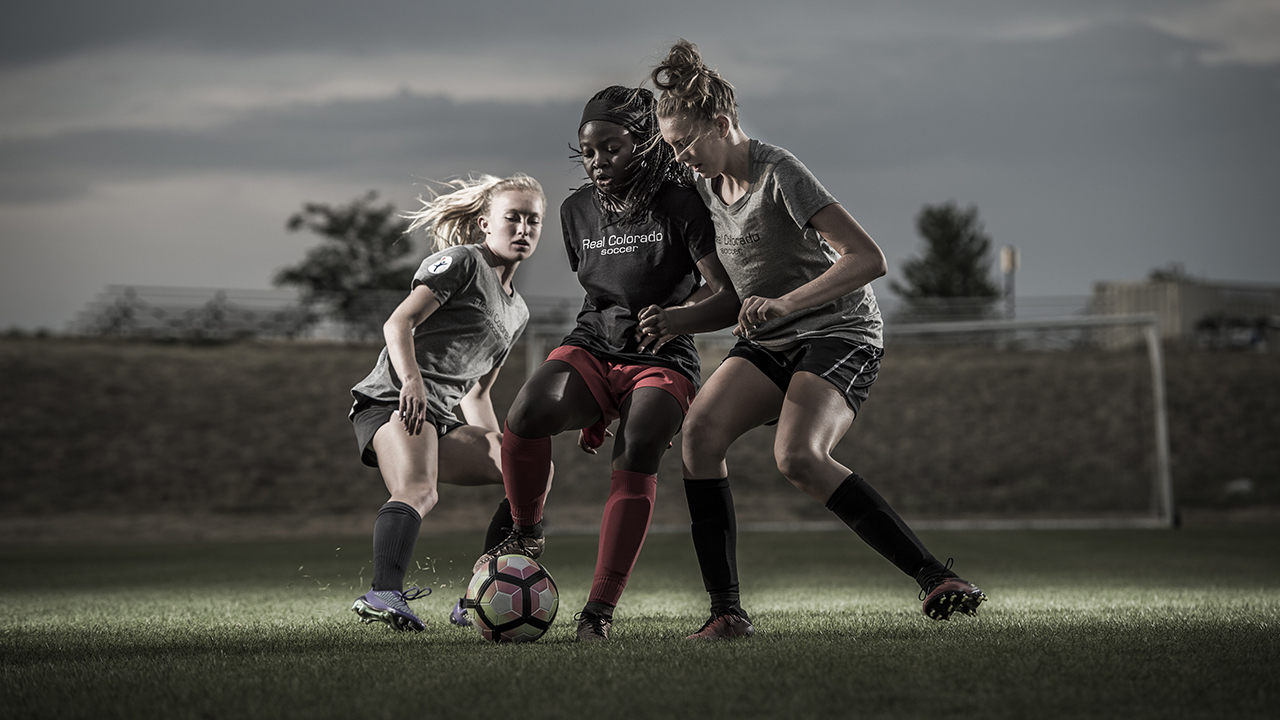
(514, 599)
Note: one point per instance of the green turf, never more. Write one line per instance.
(1131, 624)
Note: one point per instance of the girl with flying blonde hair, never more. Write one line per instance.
(446, 343)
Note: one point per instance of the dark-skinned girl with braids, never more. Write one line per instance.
(638, 235)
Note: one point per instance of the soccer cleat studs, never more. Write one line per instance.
(950, 596)
(390, 607)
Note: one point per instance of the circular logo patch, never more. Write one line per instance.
(440, 265)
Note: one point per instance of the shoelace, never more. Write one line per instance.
(930, 583)
(512, 538)
(414, 593)
(597, 622)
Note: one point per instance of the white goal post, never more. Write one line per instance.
(1149, 325)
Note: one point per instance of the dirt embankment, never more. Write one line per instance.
(143, 441)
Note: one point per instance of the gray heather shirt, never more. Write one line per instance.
(768, 249)
(469, 335)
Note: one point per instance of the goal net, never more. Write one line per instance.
(1041, 423)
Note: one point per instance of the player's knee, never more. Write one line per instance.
(799, 463)
(422, 499)
(531, 418)
(641, 455)
(701, 440)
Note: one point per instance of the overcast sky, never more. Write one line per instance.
(165, 142)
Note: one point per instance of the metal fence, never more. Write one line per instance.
(204, 314)
(171, 313)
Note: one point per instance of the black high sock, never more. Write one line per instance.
(596, 607)
(499, 527)
(715, 539)
(867, 514)
(395, 532)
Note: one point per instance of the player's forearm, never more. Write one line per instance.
(398, 333)
(718, 311)
(850, 272)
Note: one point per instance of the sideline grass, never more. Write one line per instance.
(1134, 624)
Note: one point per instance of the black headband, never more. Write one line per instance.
(630, 115)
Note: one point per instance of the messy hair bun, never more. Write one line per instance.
(690, 89)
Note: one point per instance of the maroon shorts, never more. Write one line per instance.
(610, 383)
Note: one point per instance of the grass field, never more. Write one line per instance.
(1126, 624)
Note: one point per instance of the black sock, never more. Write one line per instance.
(534, 530)
(394, 534)
(500, 526)
(715, 539)
(595, 607)
(866, 512)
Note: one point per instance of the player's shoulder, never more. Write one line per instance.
(579, 200)
(772, 157)
(458, 258)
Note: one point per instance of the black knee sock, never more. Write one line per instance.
(394, 534)
(866, 512)
(715, 539)
(499, 527)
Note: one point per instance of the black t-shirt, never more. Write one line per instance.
(626, 268)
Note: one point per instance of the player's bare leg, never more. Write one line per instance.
(737, 398)
(814, 417)
(408, 465)
(649, 418)
(554, 399)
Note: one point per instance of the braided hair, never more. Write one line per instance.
(652, 163)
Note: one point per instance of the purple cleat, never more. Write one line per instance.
(390, 607)
(459, 615)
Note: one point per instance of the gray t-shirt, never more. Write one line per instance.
(469, 335)
(768, 249)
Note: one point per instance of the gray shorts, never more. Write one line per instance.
(851, 366)
(369, 415)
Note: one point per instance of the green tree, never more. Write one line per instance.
(364, 251)
(952, 277)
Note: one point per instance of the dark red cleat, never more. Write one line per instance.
(952, 595)
(724, 626)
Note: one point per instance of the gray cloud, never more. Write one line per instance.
(1100, 144)
(385, 138)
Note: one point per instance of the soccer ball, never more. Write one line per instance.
(515, 599)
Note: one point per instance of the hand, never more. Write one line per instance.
(756, 311)
(654, 329)
(413, 405)
(593, 437)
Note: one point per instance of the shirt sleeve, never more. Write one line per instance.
(447, 272)
(797, 189)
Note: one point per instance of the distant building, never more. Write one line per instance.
(1193, 311)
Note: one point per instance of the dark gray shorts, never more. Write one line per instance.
(369, 415)
(851, 366)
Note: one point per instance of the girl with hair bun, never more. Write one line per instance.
(446, 343)
(809, 347)
(638, 236)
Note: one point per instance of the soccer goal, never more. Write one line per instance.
(1042, 423)
(1052, 422)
